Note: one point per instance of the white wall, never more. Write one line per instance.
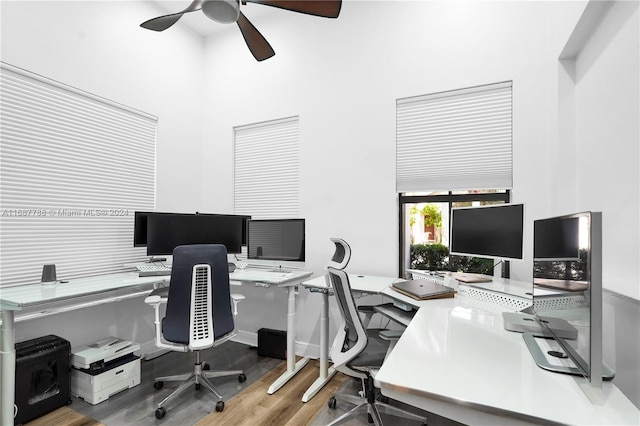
(98, 47)
(600, 86)
(342, 77)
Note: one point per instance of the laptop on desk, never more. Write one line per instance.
(423, 289)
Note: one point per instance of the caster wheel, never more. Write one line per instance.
(384, 399)
(369, 418)
(198, 386)
(219, 406)
(332, 403)
(160, 413)
(206, 366)
(70, 401)
(158, 385)
(242, 378)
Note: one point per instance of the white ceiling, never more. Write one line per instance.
(198, 22)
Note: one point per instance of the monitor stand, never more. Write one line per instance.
(542, 362)
(526, 323)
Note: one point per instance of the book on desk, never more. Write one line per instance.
(420, 289)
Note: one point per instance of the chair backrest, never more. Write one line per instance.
(199, 302)
(341, 255)
(351, 338)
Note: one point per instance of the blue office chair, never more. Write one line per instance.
(199, 315)
(359, 353)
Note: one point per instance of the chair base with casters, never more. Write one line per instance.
(367, 402)
(199, 377)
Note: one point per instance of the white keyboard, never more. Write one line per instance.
(259, 275)
(153, 269)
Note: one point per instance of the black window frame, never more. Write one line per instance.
(449, 198)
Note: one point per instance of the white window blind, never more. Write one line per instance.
(267, 169)
(455, 140)
(73, 169)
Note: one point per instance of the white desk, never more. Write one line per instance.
(279, 279)
(363, 283)
(456, 360)
(52, 298)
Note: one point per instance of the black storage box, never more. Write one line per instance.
(43, 380)
(272, 343)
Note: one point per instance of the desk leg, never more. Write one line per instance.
(292, 366)
(326, 373)
(7, 368)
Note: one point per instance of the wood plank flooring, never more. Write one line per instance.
(136, 406)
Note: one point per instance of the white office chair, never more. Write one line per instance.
(340, 260)
(341, 255)
(359, 353)
(198, 315)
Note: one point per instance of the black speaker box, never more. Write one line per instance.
(43, 380)
(272, 343)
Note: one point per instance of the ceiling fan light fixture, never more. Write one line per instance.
(223, 11)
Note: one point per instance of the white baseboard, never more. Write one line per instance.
(148, 350)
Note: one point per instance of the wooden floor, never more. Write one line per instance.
(136, 406)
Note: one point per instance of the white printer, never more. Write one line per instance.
(104, 368)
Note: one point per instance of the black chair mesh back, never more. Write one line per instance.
(346, 303)
(175, 324)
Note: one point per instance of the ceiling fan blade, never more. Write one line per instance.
(327, 8)
(161, 23)
(257, 44)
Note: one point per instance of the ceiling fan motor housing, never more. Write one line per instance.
(223, 11)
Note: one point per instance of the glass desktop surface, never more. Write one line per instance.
(24, 296)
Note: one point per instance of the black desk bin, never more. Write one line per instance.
(43, 379)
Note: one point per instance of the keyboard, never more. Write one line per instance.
(153, 269)
(249, 275)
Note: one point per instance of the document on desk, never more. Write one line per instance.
(423, 289)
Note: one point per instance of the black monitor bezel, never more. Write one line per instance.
(140, 225)
(301, 258)
(155, 246)
(498, 256)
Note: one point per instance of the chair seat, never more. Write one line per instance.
(373, 354)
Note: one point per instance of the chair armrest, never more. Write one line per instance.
(153, 300)
(366, 308)
(236, 298)
(368, 311)
(158, 295)
(390, 334)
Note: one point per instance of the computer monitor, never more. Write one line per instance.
(140, 226)
(167, 231)
(493, 231)
(575, 299)
(276, 239)
(557, 239)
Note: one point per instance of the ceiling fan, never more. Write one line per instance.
(228, 11)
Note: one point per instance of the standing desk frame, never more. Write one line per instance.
(289, 281)
(50, 299)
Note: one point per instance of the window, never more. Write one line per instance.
(73, 169)
(424, 232)
(267, 169)
(447, 143)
